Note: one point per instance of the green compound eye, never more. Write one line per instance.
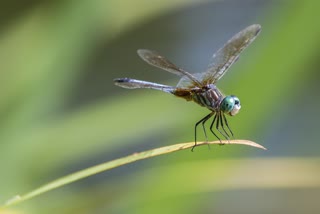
(230, 105)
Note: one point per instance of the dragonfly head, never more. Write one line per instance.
(230, 105)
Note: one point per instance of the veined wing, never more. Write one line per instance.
(228, 54)
(155, 59)
(133, 84)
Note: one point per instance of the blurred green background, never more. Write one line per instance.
(60, 111)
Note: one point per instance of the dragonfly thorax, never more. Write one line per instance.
(209, 97)
(230, 105)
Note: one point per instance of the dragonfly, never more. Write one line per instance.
(201, 87)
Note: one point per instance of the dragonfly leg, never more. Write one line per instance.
(211, 126)
(204, 129)
(222, 125)
(203, 120)
(218, 124)
(226, 122)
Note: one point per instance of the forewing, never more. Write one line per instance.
(185, 82)
(228, 54)
(157, 60)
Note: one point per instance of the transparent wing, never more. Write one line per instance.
(155, 59)
(228, 54)
(133, 84)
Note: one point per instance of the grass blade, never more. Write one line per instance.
(116, 163)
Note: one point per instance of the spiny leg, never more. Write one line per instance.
(226, 122)
(203, 120)
(204, 129)
(211, 126)
(222, 125)
(217, 125)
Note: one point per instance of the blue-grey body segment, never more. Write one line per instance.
(133, 84)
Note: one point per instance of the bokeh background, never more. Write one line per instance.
(60, 111)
